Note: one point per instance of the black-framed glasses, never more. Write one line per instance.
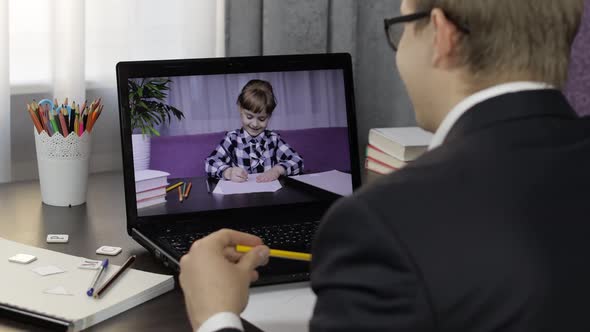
(394, 29)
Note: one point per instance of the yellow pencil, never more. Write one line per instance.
(299, 256)
(174, 186)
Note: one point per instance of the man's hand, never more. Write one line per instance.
(215, 277)
(271, 175)
(235, 174)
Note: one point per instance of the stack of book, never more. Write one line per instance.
(150, 187)
(390, 149)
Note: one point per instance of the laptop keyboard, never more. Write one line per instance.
(296, 237)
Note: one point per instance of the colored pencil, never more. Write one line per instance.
(180, 194)
(63, 118)
(188, 190)
(174, 186)
(36, 122)
(62, 122)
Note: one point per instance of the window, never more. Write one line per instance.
(114, 31)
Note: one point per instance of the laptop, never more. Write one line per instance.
(185, 122)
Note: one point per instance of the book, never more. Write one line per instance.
(151, 193)
(151, 201)
(404, 143)
(60, 299)
(378, 167)
(150, 179)
(380, 156)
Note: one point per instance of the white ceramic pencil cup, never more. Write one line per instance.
(63, 167)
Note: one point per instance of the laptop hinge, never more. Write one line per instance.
(160, 254)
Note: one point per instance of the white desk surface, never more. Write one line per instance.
(281, 308)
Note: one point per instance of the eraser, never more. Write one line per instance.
(22, 258)
(57, 238)
(109, 251)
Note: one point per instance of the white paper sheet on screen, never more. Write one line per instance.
(251, 186)
(333, 181)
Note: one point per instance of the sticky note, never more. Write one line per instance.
(22, 258)
(59, 290)
(48, 270)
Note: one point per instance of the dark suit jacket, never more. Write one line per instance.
(489, 232)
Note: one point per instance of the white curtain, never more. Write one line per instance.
(61, 48)
(5, 164)
(305, 99)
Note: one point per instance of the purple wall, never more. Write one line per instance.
(577, 88)
(322, 149)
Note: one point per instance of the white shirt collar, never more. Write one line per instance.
(476, 98)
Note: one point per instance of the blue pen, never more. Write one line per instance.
(104, 265)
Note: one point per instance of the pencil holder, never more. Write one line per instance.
(63, 167)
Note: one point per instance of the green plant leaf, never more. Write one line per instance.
(147, 104)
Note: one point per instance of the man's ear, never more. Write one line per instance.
(446, 38)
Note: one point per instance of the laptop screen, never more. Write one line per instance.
(214, 142)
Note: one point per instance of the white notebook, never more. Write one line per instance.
(25, 290)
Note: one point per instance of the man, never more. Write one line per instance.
(489, 230)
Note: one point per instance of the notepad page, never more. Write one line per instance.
(23, 288)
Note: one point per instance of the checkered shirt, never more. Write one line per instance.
(253, 154)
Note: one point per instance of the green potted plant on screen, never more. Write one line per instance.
(148, 108)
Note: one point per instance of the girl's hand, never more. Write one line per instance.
(271, 175)
(235, 174)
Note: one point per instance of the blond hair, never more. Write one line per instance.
(530, 38)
